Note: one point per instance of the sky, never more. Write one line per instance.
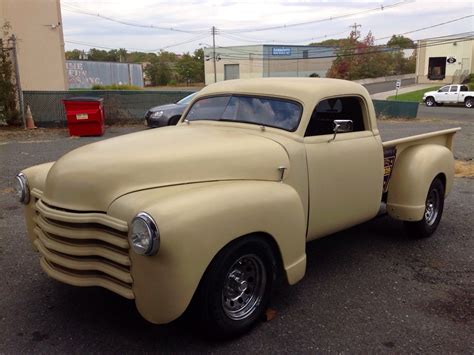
(245, 22)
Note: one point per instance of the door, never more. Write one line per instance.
(453, 94)
(436, 68)
(442, 95)
(231, 71)
(345, 173)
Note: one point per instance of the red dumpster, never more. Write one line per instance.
(85, 116)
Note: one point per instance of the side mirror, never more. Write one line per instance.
(342, 126)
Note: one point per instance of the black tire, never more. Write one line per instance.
(173, 121)
(430, 101)
(433, 212)
(217, 314)
(469, 102)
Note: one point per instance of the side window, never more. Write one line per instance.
(444, 89)
(454, 88)
(338, 108)
(464, 88)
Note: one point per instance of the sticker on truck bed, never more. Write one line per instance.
(82, 116)
(389, 159)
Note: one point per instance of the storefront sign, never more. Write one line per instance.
(451, 60)
(281, 51)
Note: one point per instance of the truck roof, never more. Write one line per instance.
(308, 91)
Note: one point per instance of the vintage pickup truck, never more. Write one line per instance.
(210, 213)
(450, 94)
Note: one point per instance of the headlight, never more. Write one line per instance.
(22, 188)
(144, 235)
(156, 114)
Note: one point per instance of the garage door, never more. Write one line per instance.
(231, 71)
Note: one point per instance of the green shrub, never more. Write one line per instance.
(116, 87)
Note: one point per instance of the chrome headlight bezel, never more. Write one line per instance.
(22, 188)
(156, 114)
(148, 244)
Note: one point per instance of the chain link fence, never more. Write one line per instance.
(119, 106)
(130, 106)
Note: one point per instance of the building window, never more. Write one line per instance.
(305, 54)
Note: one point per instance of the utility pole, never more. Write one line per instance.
(214, 52)
(355, 31)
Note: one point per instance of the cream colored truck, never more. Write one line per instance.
(211, 212)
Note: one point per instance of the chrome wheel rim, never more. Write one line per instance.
(429, 102)
(432, 207)
(244, 287)
(469, 103)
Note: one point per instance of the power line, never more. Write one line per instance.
(428, 27)
(94, 45)
(331, 18)
(370, 51)
(243, 39)
(227, 35)
(76, 9)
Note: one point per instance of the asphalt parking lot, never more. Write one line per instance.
(367, 289)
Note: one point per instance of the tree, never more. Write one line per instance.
(8, 111)
(159, 69)
(399, 41)
(363, 59)
(75, 54)
(190, 68)
(340, 42)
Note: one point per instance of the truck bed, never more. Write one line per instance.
(393, 148)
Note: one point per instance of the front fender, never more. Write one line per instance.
(196, 221)
(413, 172)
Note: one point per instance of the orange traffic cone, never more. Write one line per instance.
(30, 124)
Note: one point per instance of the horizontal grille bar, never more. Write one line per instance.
(85, 278)
(81, 231)
(78, 263)
(81, 249)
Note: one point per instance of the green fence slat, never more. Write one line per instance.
(395, 108)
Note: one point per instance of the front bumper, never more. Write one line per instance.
(155, 122)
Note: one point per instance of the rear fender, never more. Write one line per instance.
(196, 221)
(413, 172)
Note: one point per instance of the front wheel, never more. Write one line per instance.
(236, 288)
(430, 101)
(433, 211)
(469, 102)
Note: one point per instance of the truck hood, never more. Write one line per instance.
(429, 93)
(90, 178)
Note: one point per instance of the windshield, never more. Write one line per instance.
(186, 100)
(263, 111)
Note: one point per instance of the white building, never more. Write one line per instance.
(445, 60)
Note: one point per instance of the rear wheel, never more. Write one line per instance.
(469, 102)
(236, 288)
(430, 101)
(433, 211)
